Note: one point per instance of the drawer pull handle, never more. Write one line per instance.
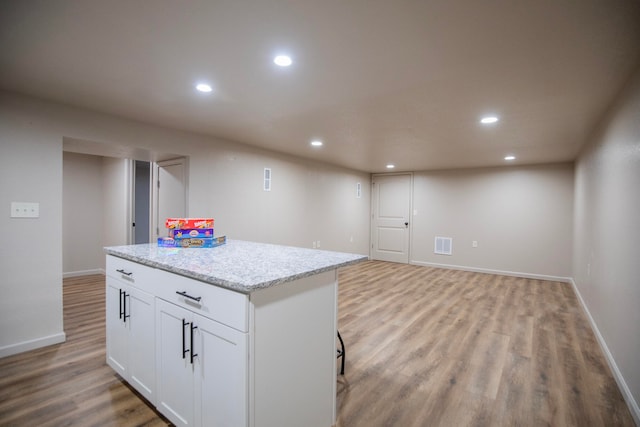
(191, 353)
(186, 295)
(124, 272)
(120, 301)
(125, 295)
(184, 344)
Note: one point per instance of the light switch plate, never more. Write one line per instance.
(25, 210)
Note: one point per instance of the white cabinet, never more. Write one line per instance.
(117, 329)
(222, 379)
(208, 356)
(130, 319)
(175, 370)
(201, 369)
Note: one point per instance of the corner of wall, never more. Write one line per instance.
(617, 375)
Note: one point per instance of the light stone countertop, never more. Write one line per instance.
(238, 265)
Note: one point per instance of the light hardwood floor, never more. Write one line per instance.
(70, 384)
(436, 347)
(425, 347)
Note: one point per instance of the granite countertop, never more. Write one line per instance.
(238, 265)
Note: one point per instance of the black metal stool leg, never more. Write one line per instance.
(341, 353)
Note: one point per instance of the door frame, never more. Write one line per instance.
(155, 200)
(410, 219)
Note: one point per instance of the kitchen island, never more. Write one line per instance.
(242, 334)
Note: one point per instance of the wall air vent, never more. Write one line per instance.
(443, 245)
(267, 179)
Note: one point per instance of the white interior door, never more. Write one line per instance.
(170, 192)
(390, 219)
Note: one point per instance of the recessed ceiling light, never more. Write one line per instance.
(316, 143)
(203, 87)
(509, 157)
(488, 120)
(282, 60)
(390, 166)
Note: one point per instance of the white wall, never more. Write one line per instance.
(310, 201)
(83, 214)
(30, 253)
(116, 189)
(95, 210)
(521, 218)
(606, 265)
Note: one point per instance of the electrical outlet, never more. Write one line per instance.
(474, 244)
(318, 244)
(314, 244)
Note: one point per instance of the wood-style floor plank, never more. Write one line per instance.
(435, 347)
(70, 384)
(425, 347)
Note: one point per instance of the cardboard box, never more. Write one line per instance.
(189, 223)
(167, 242)
(191, 232)
(217, 241)
(191, 242)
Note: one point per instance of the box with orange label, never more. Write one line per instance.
(189, 223)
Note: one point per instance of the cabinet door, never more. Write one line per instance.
(174, 370)
(117, 333)
(221, 377)
(142, 360)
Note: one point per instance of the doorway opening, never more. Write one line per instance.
(141, 214)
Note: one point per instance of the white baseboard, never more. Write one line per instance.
(499, 272)
(32, 344)
(622, 384)
(83, 273)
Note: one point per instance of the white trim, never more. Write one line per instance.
(21, 347)
(129, 194)
(490, 271)
(626, 393)
(83, 273)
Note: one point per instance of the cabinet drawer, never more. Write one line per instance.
(222, 305)
(138, 275)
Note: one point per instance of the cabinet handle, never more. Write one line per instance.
(124, 272)
(184, 344)
(186, 295)
(192, 353)
(124, 311)
(120, 304)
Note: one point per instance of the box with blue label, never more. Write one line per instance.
(191, 242)
(191, 232)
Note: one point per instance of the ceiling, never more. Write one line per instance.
(402, 81)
